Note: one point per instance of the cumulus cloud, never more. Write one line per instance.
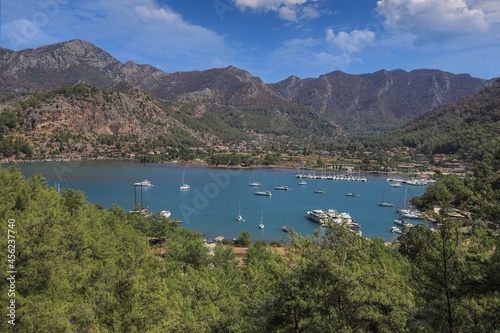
(287, 10)
(350, 42)
(266, 4)
(431, 20)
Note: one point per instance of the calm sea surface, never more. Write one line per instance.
(212, 204)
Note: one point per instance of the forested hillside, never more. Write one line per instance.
(82, 268)
(82, 121)
(469, 128)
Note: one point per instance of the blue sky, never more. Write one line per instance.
(272, 39)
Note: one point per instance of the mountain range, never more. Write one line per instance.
(219, 104)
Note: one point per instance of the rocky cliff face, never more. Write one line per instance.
(385, 97)
(85, 119)
(68, 63)
(218, 88)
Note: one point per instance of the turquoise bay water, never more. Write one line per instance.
(212, 204)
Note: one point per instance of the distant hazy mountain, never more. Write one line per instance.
(328, 105)
(379, 100)
(470, 127)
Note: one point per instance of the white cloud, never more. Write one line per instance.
(431, 20)
(314, 56)
(330, 61)
(288, 10)
(350, 42)
(490, 8)
(267, 4)
(24, 33)
(287, 14)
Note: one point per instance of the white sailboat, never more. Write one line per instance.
(409, 212)
(318, 190)
(284, 228)
(280, 186)
(384, 203)
(251, 182)
(350, 193)
(239, 218)
(300, 175)
(184, 186)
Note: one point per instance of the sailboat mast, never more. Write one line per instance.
(141, 196)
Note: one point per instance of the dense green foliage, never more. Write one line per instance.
(82, 268)
(478, 194)
(9, 144)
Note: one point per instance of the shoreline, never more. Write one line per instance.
(193, 163)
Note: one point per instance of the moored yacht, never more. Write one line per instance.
(263, 193)
(396, 230)
(403, 223)
(316, 215)
(413, 214)
(145, 182)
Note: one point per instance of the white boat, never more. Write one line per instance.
(145, 182)
(254, 183)
(350, 193)
(384, 203)
(413, 214)
(396, 185)
(303, 182)
(316, 215)
(279, 186)
(184, 186)
(403, 223)
(316, 189)
(408, 211)
(141, 206)
(263, 193)
(354, 225)
(165, 213)
(284, 228)
(239, 218)
(261, 225)
(396, 230)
